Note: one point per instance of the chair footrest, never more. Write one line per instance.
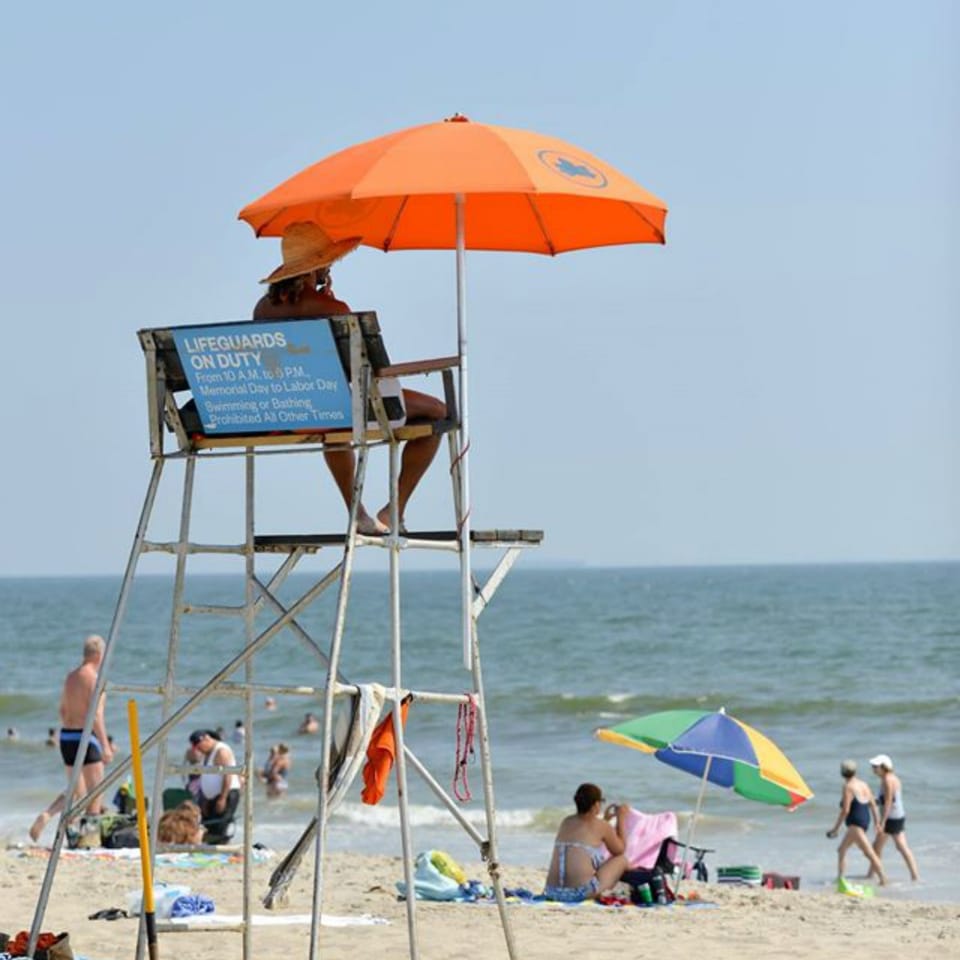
(284, 543)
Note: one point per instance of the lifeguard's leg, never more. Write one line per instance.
(418, 454)
(342, 467)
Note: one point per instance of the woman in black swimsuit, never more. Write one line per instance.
(857, 807)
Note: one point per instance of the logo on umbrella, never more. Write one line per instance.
(573, 168)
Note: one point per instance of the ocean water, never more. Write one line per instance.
(830, 662)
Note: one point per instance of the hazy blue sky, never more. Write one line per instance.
(778, 383)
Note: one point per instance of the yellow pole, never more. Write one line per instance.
(145, 868)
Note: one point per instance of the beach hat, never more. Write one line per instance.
(306, 247)
(881, 760)
(848, 767)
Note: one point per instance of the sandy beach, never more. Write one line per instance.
(741, 921)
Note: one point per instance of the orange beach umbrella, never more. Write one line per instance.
(524, 191)
(464, 186)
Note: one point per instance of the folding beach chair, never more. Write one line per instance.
(655, 854)
(174, 796)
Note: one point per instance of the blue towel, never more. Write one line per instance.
(191, 904)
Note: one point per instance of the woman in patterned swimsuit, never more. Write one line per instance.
(588, 855)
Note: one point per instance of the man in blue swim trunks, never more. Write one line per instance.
(78, 688)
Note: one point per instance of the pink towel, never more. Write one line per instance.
(645, 833)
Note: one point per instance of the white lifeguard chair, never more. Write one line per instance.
(244, 390)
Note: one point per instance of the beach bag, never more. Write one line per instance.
(429, 883)
(123, 837)
(86, 836)
(50, 946)
(60, 949)
(165, 895)
(119, 830)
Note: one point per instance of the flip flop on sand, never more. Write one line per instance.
(111, 913)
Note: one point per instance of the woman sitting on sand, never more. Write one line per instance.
(856, 809)
(588, 854)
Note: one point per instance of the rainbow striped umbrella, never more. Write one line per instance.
(717, 748)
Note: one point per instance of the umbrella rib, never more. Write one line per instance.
(647, 221)
(716, 755)
(391, 233)
(270, 220)
(540, 224)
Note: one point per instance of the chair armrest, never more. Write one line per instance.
(695, 849)
(417, 366)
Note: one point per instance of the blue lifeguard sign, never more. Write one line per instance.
(249, 378)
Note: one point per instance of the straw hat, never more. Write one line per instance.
(306, 247)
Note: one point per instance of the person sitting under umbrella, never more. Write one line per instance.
(300, 287)
(588, 853)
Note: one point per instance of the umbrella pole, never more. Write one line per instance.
(691, 827)
(463, 521)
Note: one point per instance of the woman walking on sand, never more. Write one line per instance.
(893, 817)
(856, 810)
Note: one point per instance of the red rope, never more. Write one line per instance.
(466, 727)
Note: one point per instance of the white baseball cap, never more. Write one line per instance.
(881, 760)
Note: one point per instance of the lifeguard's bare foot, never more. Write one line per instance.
(383, 517)
(370, 526)
(38, 826)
